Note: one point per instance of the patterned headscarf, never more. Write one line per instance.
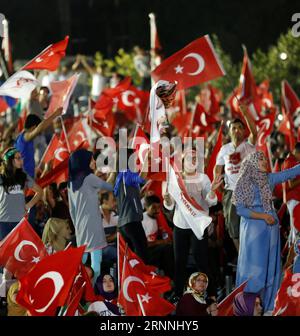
(249, 177)
(200, 297)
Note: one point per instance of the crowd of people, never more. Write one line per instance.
(245, 240)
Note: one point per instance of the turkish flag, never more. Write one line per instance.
(194, 64)
(214, 154)
(287, 127)
(138, 279)
(105, 126)
(46, 287)
(247, 87)
(73, 305)
(116, 91)
(61, 152)
(50, 150)
(50, 57)
(77, 136)
(205, 121)
(290, 100)
(61, 94)
(265, 128)
(225, 308)
(233, 104)
(58, 175)
(287, 302)
(21, 249)
(265, 96)
(134, 102)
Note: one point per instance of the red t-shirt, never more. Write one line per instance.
(291, 193)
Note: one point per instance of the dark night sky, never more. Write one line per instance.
(107, 25)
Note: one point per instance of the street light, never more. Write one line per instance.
(283, 56)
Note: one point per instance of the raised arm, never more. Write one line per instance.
(250, 123)
(43, 125)
(285, 175)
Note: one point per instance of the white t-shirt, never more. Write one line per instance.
(150, 227)
(101, 308)
(231, 158)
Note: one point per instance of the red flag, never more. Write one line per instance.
(225, 308)
(147, 284)
(247, 86)
(21, 249)
(287, 300)
(74, 303)
(105, 126)
(134, 102)
(214, 154)
(50, 57)
(77, 136)
(50, 150)
(265, 128)
(286, 127)
(209, 100)
(61, 93)
(194, 64)
(58, 174)
(46, 287)
(290, 100)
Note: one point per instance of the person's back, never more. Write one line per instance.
(26, 149)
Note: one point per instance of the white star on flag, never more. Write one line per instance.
(146, 298)
(179, 69)
(105, 124)
(115, 100)
(35, 260)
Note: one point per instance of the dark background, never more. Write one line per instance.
(107, 25)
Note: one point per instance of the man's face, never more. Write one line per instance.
(153, 210)
(237, 132)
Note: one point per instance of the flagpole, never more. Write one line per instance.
(167, 174)
(65, 312)
(141, 304)
(64, 130)
(152, 43)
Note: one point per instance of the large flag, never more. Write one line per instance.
(77, 137)
(21, 249)
(287, 127)
(46, 287)
(290, 100)
(287, 302)
(61, 94)
(19, 85)
(50, 57)
(141, 287)
(195, 216)
(194, 64)
(50, 150)
(225, 308)
(265, 128)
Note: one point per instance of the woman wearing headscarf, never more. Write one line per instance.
(106, 287)
(247, 304)
(194, 301)
(83, 188)
(259, 253)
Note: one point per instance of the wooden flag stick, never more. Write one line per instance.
(141, 304)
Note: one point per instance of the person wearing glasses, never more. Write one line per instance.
(194, 301)
(13, 183)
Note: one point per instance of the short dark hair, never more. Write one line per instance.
(236, 121)
(32, 120)
(297, 147)
(149, 200)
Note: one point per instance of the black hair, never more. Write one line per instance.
(12, 176)
(149, 200)
(235, 121)
(62, 185)
(32, 120)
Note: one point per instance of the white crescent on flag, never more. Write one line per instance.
(58, 282)
(126, 284)
(19, 248)
(200, 61)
